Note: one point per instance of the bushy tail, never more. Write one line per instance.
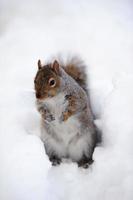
(76, 68)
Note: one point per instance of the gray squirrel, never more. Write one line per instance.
(67, 125)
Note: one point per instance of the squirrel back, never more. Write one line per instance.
(76, 68)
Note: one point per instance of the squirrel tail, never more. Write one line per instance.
(76, 68)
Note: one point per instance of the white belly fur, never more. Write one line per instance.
(70, 144)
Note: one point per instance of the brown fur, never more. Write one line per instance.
(76, 68)
(76, 73)
(42, 87)
(71, 109)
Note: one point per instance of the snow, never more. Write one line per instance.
(101, 32)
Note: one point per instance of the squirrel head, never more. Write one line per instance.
(47, 80)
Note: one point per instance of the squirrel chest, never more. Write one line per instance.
(65, 130)
(59, 134)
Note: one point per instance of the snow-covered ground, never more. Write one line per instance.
(102, 33)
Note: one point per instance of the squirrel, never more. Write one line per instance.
(62, 99)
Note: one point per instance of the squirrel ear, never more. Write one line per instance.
(56, 66)
(39, 65)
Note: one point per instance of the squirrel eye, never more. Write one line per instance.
(52, 82)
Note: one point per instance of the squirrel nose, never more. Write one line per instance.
(38, 96)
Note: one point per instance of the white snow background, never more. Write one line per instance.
(102, 33)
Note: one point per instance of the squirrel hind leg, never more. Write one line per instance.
(85, 162)
(55, 160)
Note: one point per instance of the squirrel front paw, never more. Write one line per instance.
(50, 118)
(46, 115)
